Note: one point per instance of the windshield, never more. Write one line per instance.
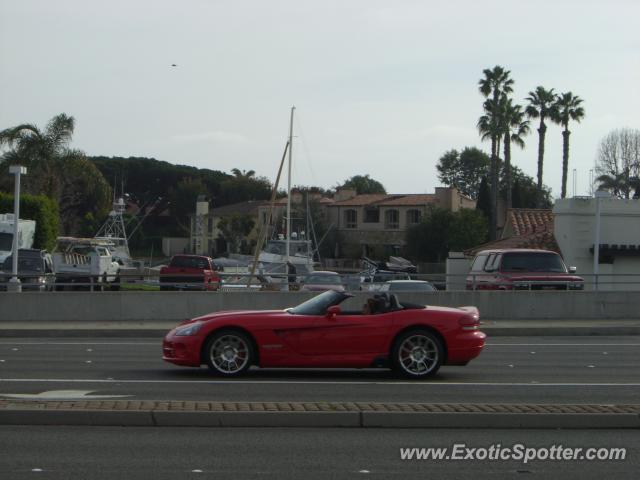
(318, 305)
(6, 241)
(408, 287)
(199, 263)
(25, 264)
(533, 262)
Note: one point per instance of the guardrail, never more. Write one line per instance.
(233, 282)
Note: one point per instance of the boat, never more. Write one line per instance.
(274, 261)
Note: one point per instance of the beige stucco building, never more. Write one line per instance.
(376, 224)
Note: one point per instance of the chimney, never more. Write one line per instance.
(344, 194)
(202, 205)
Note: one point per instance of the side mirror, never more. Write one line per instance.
(573, 269)
(333, 310)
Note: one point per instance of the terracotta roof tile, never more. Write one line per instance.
(409, 200)
(529, 220)
(365, 199)
(544, 240)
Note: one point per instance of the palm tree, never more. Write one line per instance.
(55, 170)
(495, 84)
(38, 149)
(542, 106)
(567, 108)
(620, 185)
(515, 128)
(243, 173)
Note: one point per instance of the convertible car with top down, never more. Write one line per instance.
(414, 340)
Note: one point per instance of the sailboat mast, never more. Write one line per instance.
(289, 184)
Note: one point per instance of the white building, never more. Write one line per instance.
(619, 252)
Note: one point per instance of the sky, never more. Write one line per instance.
(383, 88)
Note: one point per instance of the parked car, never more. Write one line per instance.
(320, 281)
(397, 286)
(35, 270)
(190, 272)
(412, 339)
(521, 269)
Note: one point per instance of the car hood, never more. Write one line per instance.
(532, 276)
(223, 315)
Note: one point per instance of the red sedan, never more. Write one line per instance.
(414, 340)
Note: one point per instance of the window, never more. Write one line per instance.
(478, 263)
(371, 215)
(392, 219)
(413, 217)
(210, 225)
(350, 219)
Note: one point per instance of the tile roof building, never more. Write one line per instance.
(524, 228)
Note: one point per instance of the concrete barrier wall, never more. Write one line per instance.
(177, 306)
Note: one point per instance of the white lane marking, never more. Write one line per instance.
(310, 382)
(486, 344)
(60, 395)
(561, 344)
(81, 343)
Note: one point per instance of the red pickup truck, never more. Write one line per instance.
(521, 269)
(190, 272)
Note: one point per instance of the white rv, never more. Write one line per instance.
(26, 231)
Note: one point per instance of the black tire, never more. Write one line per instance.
(417, 354)
(238, 348)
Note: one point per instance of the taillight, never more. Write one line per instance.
(471, 322)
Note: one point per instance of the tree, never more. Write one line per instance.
(41, 209)
(442, 231)
(182, 200)
(57, 171)
(495, 84)
(363, 184)
(243, 173)
(468, 228)
(427, 241)
(525, 191)
(235, 229)
(484, 198)
(618, 162)
(567, 107)
(463, 170)
(542, 105)
(515, 128)
(620, 185)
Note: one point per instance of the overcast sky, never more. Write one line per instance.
(380, 87)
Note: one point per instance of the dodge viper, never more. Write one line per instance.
(414, 340)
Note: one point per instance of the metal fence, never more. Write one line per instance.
(241, 281)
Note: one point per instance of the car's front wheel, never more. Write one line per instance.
(229, 353)
(417, 354)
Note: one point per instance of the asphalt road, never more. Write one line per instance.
(510, 370)
(170, 453)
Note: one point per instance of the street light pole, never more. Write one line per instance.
(14, 282)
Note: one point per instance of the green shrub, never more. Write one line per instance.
(41, 209)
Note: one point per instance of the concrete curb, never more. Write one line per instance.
(576, 421)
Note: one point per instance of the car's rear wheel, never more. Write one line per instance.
(229, 353)
(417, 354)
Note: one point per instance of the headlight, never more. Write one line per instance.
(188, 330)
(40, 280)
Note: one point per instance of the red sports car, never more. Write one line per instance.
(415, 340)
